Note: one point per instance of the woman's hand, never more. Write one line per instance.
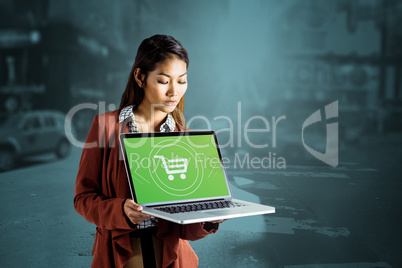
(218, 221)
(133, 212)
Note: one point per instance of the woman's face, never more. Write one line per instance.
(166, 85)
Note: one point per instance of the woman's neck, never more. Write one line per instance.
(153, 118)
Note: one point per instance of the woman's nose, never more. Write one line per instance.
(172, 90)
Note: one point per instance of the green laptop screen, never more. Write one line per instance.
(175, 168)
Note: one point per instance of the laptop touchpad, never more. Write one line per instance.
(219, 212)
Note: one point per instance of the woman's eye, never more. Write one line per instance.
(182, 82)
(163, 83)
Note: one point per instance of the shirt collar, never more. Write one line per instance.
(127, 112)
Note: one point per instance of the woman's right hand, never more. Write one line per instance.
(133, 212)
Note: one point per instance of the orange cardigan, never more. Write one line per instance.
(100, 190)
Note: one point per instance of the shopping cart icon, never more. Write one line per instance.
(174, 166)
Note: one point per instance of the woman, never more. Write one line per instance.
(152, 101)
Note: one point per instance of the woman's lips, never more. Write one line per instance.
(170, 103)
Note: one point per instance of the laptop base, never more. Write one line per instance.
(248, 209)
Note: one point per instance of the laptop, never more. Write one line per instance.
(180, 177)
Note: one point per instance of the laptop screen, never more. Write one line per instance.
(167, 168)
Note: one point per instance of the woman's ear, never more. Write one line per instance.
(139, 77)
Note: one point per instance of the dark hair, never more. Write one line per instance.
(155, 49)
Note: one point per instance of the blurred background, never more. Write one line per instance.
(259, 64)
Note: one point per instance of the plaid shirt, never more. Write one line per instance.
(168, 126)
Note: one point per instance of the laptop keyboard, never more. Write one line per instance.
(199, 206)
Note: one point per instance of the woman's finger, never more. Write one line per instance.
(133, 212)
(131, 204)
(219, 221)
